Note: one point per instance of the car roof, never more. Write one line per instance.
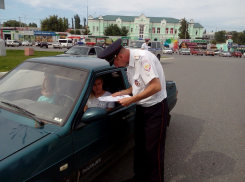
(91, 63)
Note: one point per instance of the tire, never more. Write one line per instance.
(158, 57)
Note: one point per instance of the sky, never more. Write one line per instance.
(213, 15)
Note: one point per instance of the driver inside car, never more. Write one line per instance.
(48, 89)
(98, 91)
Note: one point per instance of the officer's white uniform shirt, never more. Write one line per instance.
(144, 46)
(94, 102)
(143, 67)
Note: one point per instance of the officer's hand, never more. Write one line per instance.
(126, 101)
(116, 94)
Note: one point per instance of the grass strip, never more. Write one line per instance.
(15, 57)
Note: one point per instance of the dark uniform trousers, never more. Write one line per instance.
(150, 132)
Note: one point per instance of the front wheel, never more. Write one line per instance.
(158, 57)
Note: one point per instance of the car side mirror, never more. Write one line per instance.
(64, 51)
(94, 114)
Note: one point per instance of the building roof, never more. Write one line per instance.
(197, 25)
(131, 18)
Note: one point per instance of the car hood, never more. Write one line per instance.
(16, 136)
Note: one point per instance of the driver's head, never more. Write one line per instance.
(48, 85)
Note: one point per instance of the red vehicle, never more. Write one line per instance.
(236, 54)
(196, 51)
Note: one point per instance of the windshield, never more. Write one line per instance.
(136, 44)
(78, 50)
(184, 49)
(48, 91)
(209, 50)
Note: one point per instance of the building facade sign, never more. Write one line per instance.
(44, 33)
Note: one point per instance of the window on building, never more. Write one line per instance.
(127, 27)
(175, 31)
(105, 28)
(196, 32)
(166, 32)
(149, 30)
(153, 29)
(158, 30)
(97, 28)
(131, 30)
(93, 28)
(171, 30)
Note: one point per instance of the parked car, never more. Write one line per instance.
(196, 52)
(167, 51)
(243, 55)
(12, 43)
(153, 46)
(82, 50)
(26, 43)
(209, 52)
(57, 45)
(216, 52)
(37, 43)
(44, 44)
(236, 54)
(57, 141)
(184, 51)
(225, 54)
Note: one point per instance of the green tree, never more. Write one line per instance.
(220, 36)
(241, 38)
(86, 31)
(114, 30)
(77, 21)
(71, 32)
(14, 23)
(124, 31)
(78, 32)
(32, 25)
(184, 34)
(54, 23)
(235, 36)
(84, 22)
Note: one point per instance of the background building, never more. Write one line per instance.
(141, 27)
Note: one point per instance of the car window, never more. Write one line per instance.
(153, 45)
(136, 44)
(111, 82)
(158, 45)
(92, 51)
(78, 50)
(98, 50)
(50, 94)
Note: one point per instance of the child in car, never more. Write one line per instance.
(48, 86)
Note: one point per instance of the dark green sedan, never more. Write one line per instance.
(52, 138)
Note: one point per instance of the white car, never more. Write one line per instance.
(167, 51)
(57, 45)
(12, 43)
(26, 43)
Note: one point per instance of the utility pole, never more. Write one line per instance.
(87, 13)
(25, 17)
(20, 21)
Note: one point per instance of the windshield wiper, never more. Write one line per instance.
(41, 123)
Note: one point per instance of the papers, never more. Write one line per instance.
(112, 99)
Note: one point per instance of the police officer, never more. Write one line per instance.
(145, 45)
(148, 89)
